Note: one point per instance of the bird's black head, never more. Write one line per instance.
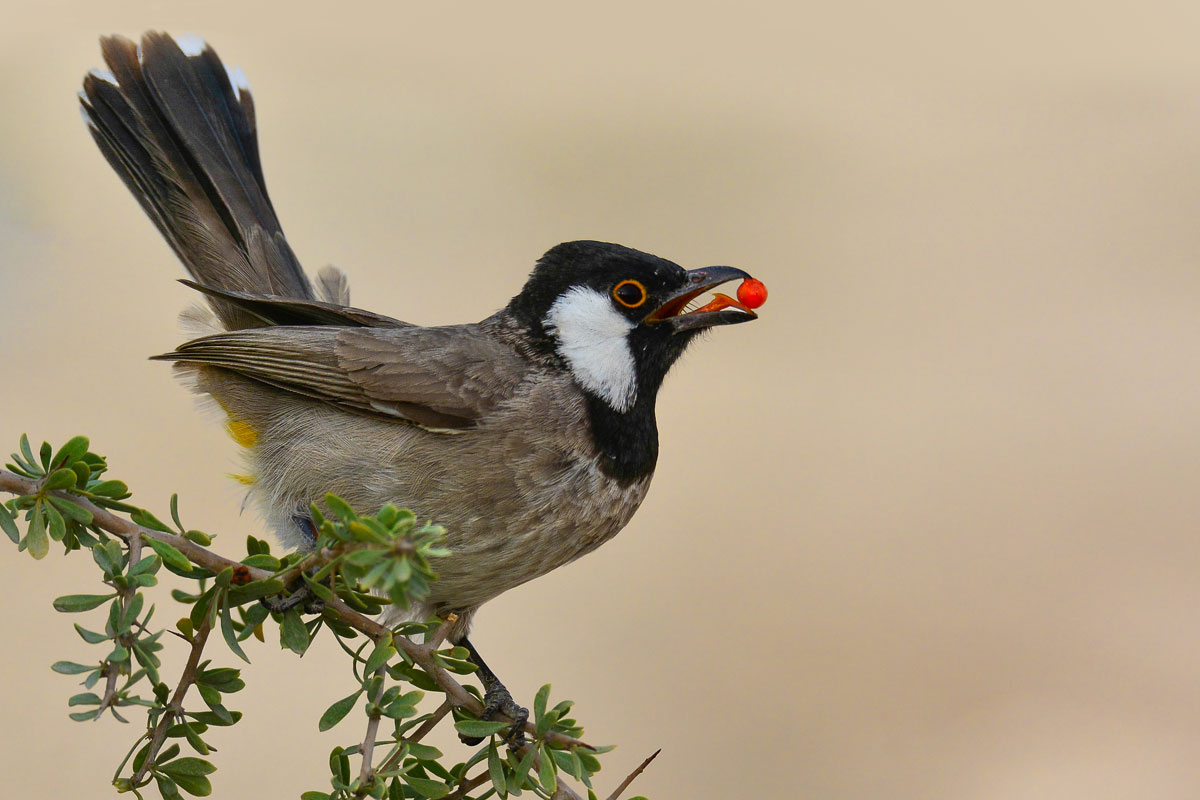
(618, 319)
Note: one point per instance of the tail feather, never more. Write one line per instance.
(179, 129)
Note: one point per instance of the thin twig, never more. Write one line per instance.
(428, 725)
(431, 723)
(625, 783)
(469, 785)
(134, 543)
(174, 709)
(367, 750)
(442, 631)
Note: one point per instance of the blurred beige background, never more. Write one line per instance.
(926, 530)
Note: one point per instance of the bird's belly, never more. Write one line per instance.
(514, 506)
(497, 548)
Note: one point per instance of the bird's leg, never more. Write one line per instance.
(298, 591)
(496, 700)
(299, 594)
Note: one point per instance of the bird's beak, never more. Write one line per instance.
(723, 310)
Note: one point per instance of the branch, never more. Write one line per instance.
(110, 683)
(175, 707)
(468, 786)
(421, 654)
(366, 774)
(625, 783)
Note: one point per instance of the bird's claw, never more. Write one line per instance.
(498, 701)
(301, 595)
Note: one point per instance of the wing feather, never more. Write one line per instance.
(441, 378)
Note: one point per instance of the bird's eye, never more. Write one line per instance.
(630, 294)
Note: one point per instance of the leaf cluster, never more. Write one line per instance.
(360, 562)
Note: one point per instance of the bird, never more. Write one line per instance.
(530, 435)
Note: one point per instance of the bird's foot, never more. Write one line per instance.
(498, 701)
(300, 595)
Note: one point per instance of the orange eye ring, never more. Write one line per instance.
(629, 293)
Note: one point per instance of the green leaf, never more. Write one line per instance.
(224, 578)
(315, 796)
(545, 723)
(83, 473)
(169, 555)
(210, 695)
(402, 570)
(193, 737)
(477, 727)
(59, 479)
(72, 603)
(219, 677)
(339, 764)
(457, 665)
(72, 451)
(84, 699)
(216, 720)
(167, 788)
(341, 508)
(199, 537)
(91, 637)
(72, 510)
(319, 589)
(568, 762)
(146, 519)
(71, 668)
(423, 752)
(217, 709)
(194, 784)
(426, 787)
(539, 702)
(55, 522)
(110, 489)
(25, 451)
(175, 511)
(8, 524)
(188, 765)
(84, 716)
(148, 565)
(496, 771)
(589, 760)
(338, 711)
(547, 773)
(399, 710)
(230, 634)
(523, 767)
(292, 633)
(36, 540)
(254, 590)
(382, 654)
(133, 612)
(262, 561)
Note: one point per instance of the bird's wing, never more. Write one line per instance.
(276, 310)
(443, 378)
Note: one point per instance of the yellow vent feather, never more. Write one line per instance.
(248, 480)
(242, 433)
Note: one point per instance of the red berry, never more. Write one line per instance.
(752, 293)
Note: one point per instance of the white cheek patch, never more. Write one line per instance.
(592, 338)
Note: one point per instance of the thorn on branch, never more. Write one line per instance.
(625, 783)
